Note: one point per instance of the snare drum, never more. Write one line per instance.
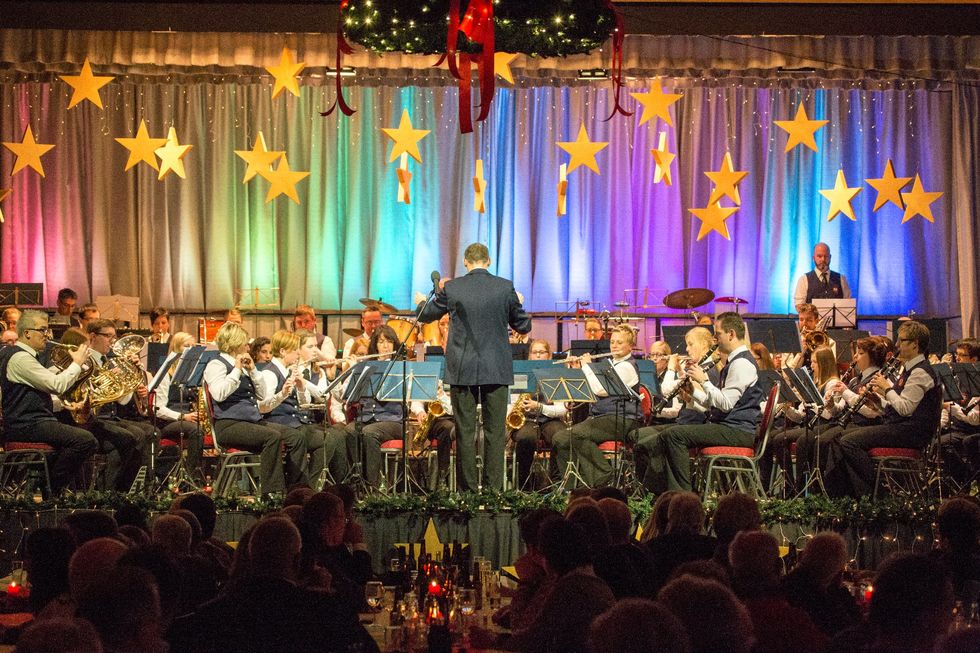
(431, 335)
(403, 328)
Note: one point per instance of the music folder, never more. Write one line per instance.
(840, 313)
(781, 336)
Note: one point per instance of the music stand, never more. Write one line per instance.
(156, 352)
(21, 294)
(594, 347)
(648, 377)
(364, 381)
(968, 376)
(415, 382)
(525, 375)
(565, 386)
(519, 351)
(951, 387)
(840, 313)
(769, 378)
(781, 336)
(674, 337)
(846, 340)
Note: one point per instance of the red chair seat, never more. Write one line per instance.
(895, 452)
(391, 445)
(792, 448)
(20, 446)
(748, 452)
(611, 446)
(168, 443)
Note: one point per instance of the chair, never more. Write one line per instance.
(24, 467)
(739, 465)
(901, 471)
(238, 471)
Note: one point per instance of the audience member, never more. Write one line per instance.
(173, 534)
(710, 613)
(683, 540)
(59, 636)
(958, 523)
(211, 548)
(638, 626)
(735, 512)
(124, 606)
(624, 564)
(47, 552)
(706, 569)
(155, 560)
(534, 580)
(85, 525)
(815, 584)
(91, 561)
(657, 521)
(323, 525)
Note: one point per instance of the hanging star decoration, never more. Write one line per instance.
(4, 193)
(285, 74)
(918, 201)
(259, 159)
(85, 86)
(801, 129)
(283, 181)
(840, 197)
(501, 65)
(404, 181)
(28, 153)
(713, 218)
(726, 181)
(142, 148)
(889, 187)
(562, 189)
(656, 103)
(582, 151)
(172, 156)
(479, 188)
(406, 138)
(662, 157)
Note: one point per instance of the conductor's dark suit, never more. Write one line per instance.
(478, 364)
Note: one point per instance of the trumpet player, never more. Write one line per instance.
(541, 421)
(26, 387)
(159, 325)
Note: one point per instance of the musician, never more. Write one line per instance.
(234, 315)
(733, 403)
(87, 313)
(809, 319)
(610, 418)
(177, 411)
(315, 391)
(541, 422)
(660, 355)
(10, 317)
(959, 445)
(821, 282)
(260, 350)
(442, 431)
(370, 320)
(26, 387)
(8, 338)
(159, 325)
(911, 416)
(762, 357)
(304, 318)
(593, 329)
(238, 392)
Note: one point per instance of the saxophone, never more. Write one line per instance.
(435, 409)
(516, 418)
(203, 413)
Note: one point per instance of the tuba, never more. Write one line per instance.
(435, 409)
(516, 418)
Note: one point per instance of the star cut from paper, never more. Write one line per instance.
(28, 153)
(889, 187)
(582, 151)
(283, 181)
(713, 218)
(85, 85)
(656, 103)
(663, 158)
(918, 201)
(172, 156)
(840, 197)
(479, 188)
(562, 190)
(406, 138)
(142, 148)
(285, 74)
(4, 193)
(501, 65)
(259, 159)
(726, 181)
(801, 129)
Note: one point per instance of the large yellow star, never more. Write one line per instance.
(726, 181)
(142, 147)
(28, 153)
(285, 74)
(582, 150)
(259, 159)
(662, 157)
(840, 197)
(713, 218)
(85, 86)
(801, 129)
(656, 103)
(918, 200)
(283, 181)
(405, 137)
(501, 65)
(889, 187)
(172, 155)
(4, 192)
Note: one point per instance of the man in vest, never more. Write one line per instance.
(734, 407)
(821, 282)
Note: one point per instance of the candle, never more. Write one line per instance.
(434, 588)
(867, 594)
(14, 589)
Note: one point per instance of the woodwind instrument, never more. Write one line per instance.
(706, 363)
(892, 369)
(572, 359)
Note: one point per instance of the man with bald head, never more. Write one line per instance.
(821, 282)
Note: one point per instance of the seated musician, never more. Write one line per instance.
(442, 431)
(159, 325)
(762, 357)
(541, 422)
(177, 410)
(64, 313)
(233, 314)
(687, 411)
(26, 387)
(660, 355)
(733, 403)
(610, 418)
(87, 313)
(238, 392)
(260, 349)
(304, 318)
(370, 321)
(809, 319)
(912, 404)
(8, 338)
(593, 329)
(961, 423)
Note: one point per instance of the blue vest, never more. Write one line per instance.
(689, 415)
(816, 290)
(925, 418)
(745, 414)
(857, 419)
(23, 406)
(242, 404)
(288, 412)
(372, 410)
(622, 406)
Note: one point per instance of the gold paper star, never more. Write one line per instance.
(283, 181)
(259, 159)
(28, 153)
(501, 65)
(918, 200)
(889, 187)
(663, 158)
(582, 150)
(562, 189)
(285, 74)
(801, 129)
(142, 147)
(726, 181)
(656, 103)
(404, 181)
(713, 218)
(840, 197)
(4, 192)
(405, 137)
(479, 188)
(85, 86)
(172, 155)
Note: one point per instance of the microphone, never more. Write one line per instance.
(435, 276)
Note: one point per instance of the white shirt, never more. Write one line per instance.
(741, 375)
(850, 397)
(626, 372)
(28, 371)
(222, 384)
(917, 385)
(555, 411)
(270, 380)
(161, 400)
(799, 295)
(668, 385)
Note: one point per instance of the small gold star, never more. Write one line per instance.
(172, 156)
(501, 65)
(479, 188)
(801, 129)
(726, 181)
(582, 151)
(713, 218)
(840, 197)
(259, 159)
(283, 181)
(662, 157)
(889, 187)
(142, 147)
(285, 74)
(917, 202)
(28, 153)
(85, 86)
(405, 137)
(4, 192)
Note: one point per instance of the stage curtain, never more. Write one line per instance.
(201, 242)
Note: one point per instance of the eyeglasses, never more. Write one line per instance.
(110, 336)
(906, 340)
(46, 332)
(594, 330)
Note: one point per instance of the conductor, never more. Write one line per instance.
(478, 359)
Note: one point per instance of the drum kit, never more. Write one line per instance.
(689, 299)
(402, 326)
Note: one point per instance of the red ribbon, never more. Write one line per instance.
(477, 25)
(343, 47)
(619, 34)
(451, 37)
(465, 120)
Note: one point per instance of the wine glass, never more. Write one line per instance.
(373, 592)
(467, 601)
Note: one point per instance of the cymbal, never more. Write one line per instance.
(380, 305)
(688, 298)
(730, 300)
(621, 304)
(354, 333)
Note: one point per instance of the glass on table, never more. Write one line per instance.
(373, 592)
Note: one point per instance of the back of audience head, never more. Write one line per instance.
(735, 512)
(824, 557)
(754, 558)
(129, 514)
(203, 508)
(564, 546)
(274, 548)
(530, 525)
(85, 525)
(912, 599)
(324, 519)
(136, 535)
(618, 518)
(124, 606)
(610, 492)
(59, 636)
(657, 522)
(346, 494)
(593, 523)
(47, 552)
(959, 524)
(192, 521)
(710, 612)
(298, 496)
(638, 626)
(173, 533)
(293, 512)
(706, 569)
(166, 573)
(93, 560)
(685, 514)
